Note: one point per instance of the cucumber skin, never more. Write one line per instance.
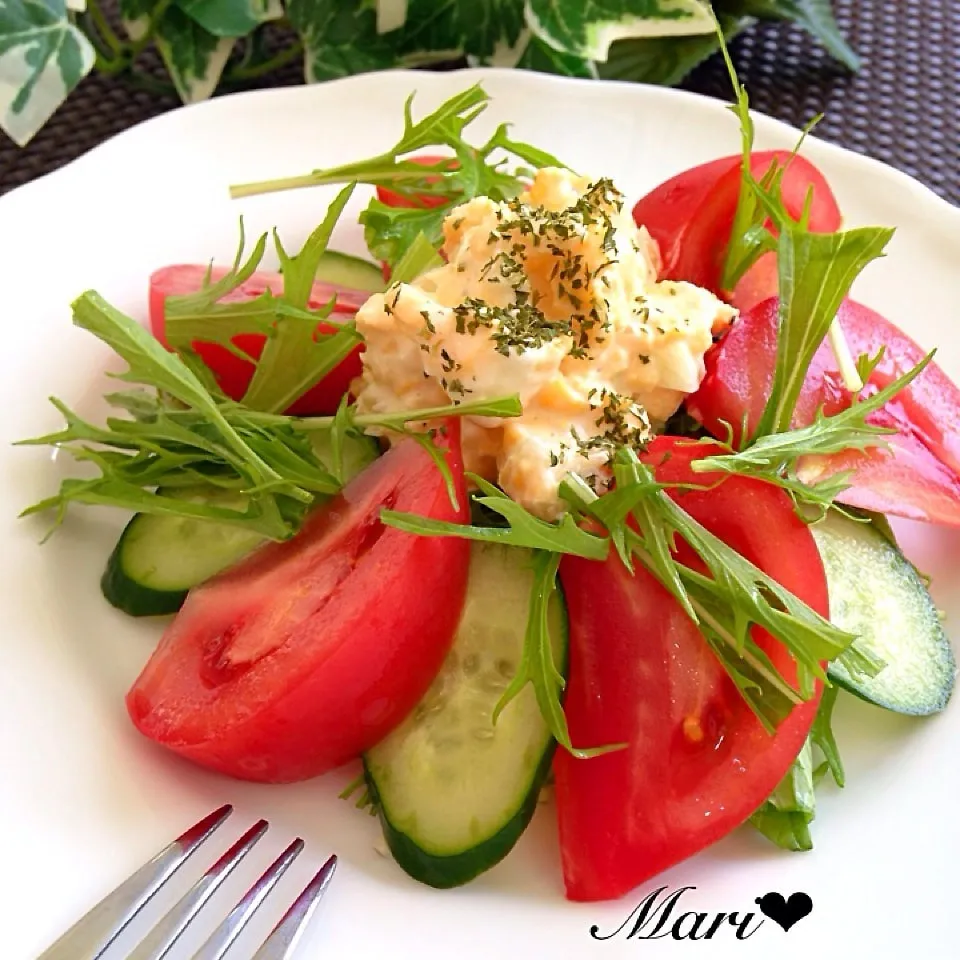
(458, 869)
(865, 690)
(136, 600)
(129, 596)
(927, 710)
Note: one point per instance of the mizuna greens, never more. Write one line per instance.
(476, 172)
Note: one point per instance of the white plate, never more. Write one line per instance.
(84, 799)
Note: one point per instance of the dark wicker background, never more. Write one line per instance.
(903, 107)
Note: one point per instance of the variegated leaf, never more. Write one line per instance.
(391, 15)
(194, 57)
(586, 28)
(43, 56)
(231, 18)
(340, 39)
(136, 16)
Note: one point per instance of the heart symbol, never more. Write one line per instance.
(785, 912)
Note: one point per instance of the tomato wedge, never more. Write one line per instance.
(918, 477)
(698, 761)
(310, 651)
(691, 216)
(233, 373)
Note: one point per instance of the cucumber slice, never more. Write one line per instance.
(453, 791)
(159, 558)
(350, 271)
(877, 594)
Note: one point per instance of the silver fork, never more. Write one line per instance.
(91, 936)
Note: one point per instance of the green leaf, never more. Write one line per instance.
(479, 171)
(444, 127)
(346, 419)
(537, 665)
(260, 517)
(136, 9)
(350, 37)
(807, 635)
(563, 538)
(543, 58)
(447, 29)
(340, 429)
(724, 602)
(230, 18)
(136, 16)
(524, 530)
(631, 497)
(508, 406)
(194, 58)
(815, 16)
(420, 256)
(182, 436)
(587, 28)
(151, 364)
(295, 356)
(757, 598)
(300, 271)
(340, 38)
(816, 271)
(432, 29)
(750, 669)
(504, 185)
(749, 236)
(485, 25)
(785, 817)
(390, 232)
(43, 56)
(776, 458)
(201, 316)
(665, 60)
(821, 734)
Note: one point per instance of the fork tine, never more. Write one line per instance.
(283, 941)
(161, 939)
(224, 936)
(92, 934)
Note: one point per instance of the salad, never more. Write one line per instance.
(561, 488)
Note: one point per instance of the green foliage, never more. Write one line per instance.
(48, 46)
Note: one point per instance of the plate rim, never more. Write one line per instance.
(227, 101)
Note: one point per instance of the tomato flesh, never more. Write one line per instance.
(691, 217)
(918, 477)
(233, 373)
(698, 761)
(311, 651)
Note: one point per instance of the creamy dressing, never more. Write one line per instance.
(553, 297)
